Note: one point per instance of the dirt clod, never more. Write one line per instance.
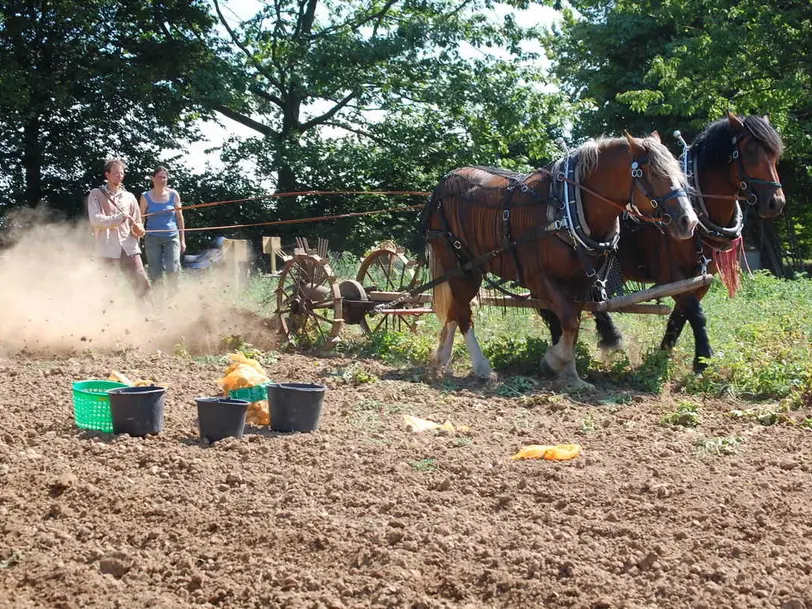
(113, 565)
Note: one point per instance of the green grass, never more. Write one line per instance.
(425, 465)
(762, 341)
(719, 446)
(686, 415)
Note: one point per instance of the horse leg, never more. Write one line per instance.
(676, 322)
(610, 337)
(560, 357)
(552, 323)
(463, 316)
(689, 309)
(702, 349)
(479, 363)
(442, 357)
(452, 304)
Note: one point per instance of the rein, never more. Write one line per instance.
(629, 208)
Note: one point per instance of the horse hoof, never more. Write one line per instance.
(488, 378)
(574, 385)
(700, 365)
(547, 369)
(612, 346)
(435, 373)
(607, 352)
(485, 374)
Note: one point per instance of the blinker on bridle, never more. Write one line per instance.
(745, 181)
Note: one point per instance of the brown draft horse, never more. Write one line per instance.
(535, 231)
(731, 158)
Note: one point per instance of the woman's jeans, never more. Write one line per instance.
(163, 256)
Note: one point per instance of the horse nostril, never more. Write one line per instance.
(688, 224)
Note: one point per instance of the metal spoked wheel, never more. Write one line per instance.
(386, 271)
(308, 302)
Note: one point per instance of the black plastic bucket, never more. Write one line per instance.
(219, 418)
(295, 406)
(137, 411)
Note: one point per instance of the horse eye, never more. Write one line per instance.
(751, 150)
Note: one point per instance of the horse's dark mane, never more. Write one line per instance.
(505, 173)
(713, 144)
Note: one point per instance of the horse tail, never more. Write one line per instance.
(442, 298)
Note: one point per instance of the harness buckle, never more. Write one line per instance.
(506, 215)
(561, 177)
(457, 245)
(704, 261)
(637, 173)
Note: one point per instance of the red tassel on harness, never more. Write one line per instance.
(727, 263)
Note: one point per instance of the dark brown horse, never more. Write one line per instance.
(548, 231)
(731, 159)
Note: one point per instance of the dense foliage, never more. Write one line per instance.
(83, 81)
(378, 94)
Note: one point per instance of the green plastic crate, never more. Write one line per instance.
(91, 404)
(252, 394)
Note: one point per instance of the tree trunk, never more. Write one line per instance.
(32, 161)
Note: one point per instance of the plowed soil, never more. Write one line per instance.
(365, 513)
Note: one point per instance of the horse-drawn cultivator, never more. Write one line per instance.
(389, 293)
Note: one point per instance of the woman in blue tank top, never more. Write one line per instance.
(165, 241)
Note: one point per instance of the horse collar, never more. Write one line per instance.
(571, 212)
(709, 231)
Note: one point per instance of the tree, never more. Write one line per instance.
(392, 80)
(80, 81)
(645, 64)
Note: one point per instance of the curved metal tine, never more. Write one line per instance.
(403, 270)
(327, 303)
(321, 317)
(385, 272)
(381, 322)
(297, 281)
(312, 317)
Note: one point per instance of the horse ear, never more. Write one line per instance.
(655, 135)
(766, 118)
(632, 142)
(734, 121)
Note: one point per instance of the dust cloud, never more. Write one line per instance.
(55, 298)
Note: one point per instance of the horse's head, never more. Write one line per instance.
(756, 148)
(659, 188)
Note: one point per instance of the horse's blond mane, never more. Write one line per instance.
(661, 162)
(589, 152)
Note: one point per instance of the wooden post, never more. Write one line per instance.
(272, 246)
(658, 291)
(236, 254)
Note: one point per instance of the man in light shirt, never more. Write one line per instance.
(116, 220)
